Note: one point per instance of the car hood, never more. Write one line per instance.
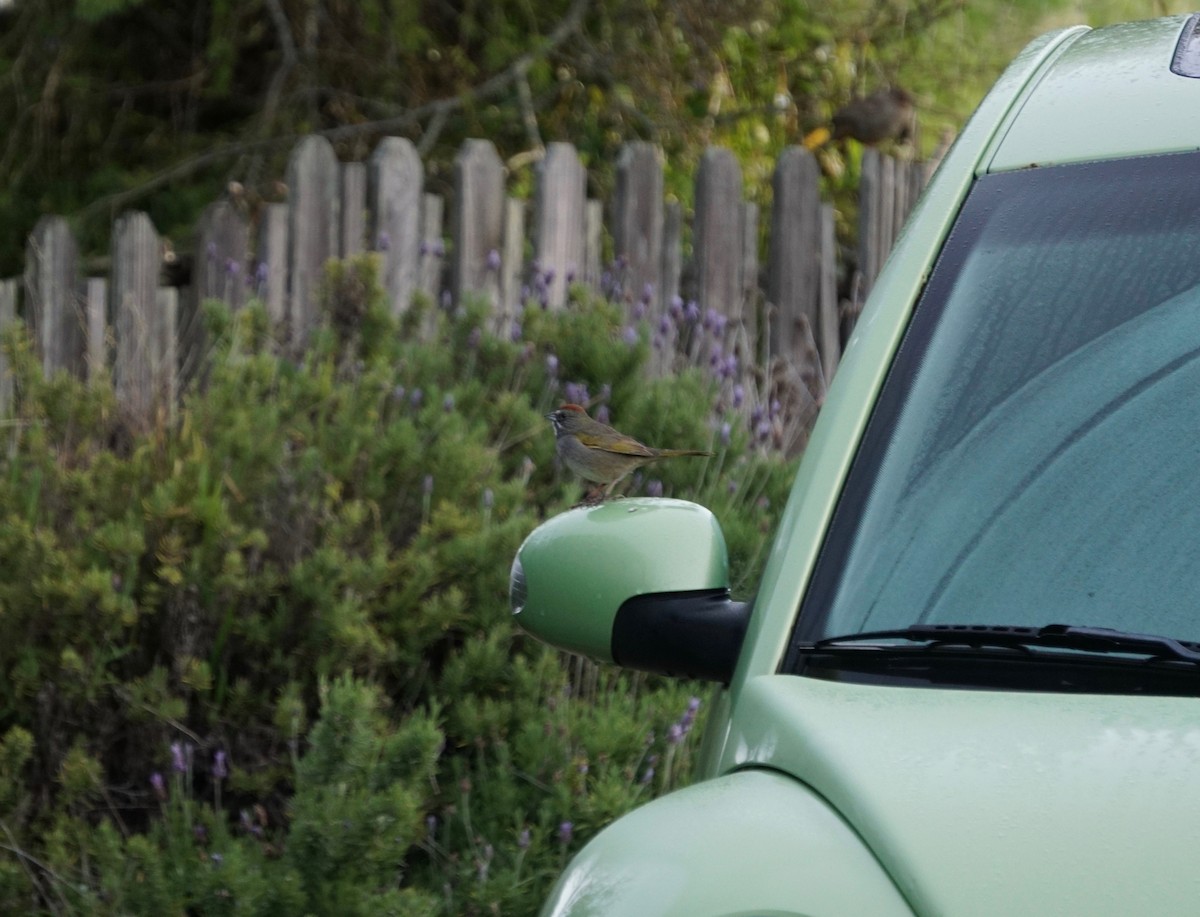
(988, 802)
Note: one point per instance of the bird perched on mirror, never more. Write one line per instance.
(598, 453)
(885, 114)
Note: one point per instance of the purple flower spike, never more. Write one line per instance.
(565, 830)
(448, 404)
(551, 364)
(427, 485)
(630, 335)
(220, 768)
(739, 395)
(516, 332)
(416, 397)
(726, 432)
(648, 293)
(602, 413)
(158, 785)
(577, 393)
(654, 488)
(384, 242)
(493, 260)
(647, 776)
(178, 758)
(691, 313)
(523, 839)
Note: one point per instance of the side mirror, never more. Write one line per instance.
(640, 582)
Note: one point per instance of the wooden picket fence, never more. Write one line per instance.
(787, 320)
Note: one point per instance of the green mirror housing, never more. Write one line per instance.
(640, 582)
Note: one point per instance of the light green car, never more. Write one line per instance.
(968, 683)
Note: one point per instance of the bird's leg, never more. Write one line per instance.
(593, 497)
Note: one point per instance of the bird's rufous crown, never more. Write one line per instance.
(572, 407)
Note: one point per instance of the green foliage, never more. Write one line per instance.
(259, 659)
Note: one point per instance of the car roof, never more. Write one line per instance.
(1108, 93)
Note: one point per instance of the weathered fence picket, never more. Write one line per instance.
(8, 315)
(638, 216)
(559, 221)
(397, 184)
(432, 250)
(477, 221)
(314, 185)
(96, 308)
(793, 275)
(271, 266)
(717, 234)
(784, 318)
(139, 364)
(54, 288)
(354, 209)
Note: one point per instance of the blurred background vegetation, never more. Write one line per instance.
(258, 658)
(110, 104)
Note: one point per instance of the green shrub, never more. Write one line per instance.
(258, 658)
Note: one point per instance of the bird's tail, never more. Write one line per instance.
(675, 453)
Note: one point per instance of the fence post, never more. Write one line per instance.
(792, 274)
(433, 247)
(54, 303)
(271, 267)
(561, 199)
(222, 238)
(397, 180)
(828, 328)
(166, 300)
(140, 369)
(314, 190)
(8, 315)
(477, 220)
(717, 234)
(672, 251)
(512, 254)
(354, 208)
(638, 215)
(593, 243)
(97, 326)
(751, 293)
(868, 221)
(885, 230)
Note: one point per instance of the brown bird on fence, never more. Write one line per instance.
(885, 114)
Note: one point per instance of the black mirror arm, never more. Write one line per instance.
(683, 634)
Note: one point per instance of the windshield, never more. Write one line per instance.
(1035, 453)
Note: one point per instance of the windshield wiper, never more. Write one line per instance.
(1054, 636)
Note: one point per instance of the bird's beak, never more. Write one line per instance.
(549, 417)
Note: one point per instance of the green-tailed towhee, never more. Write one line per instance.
(598, 453)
